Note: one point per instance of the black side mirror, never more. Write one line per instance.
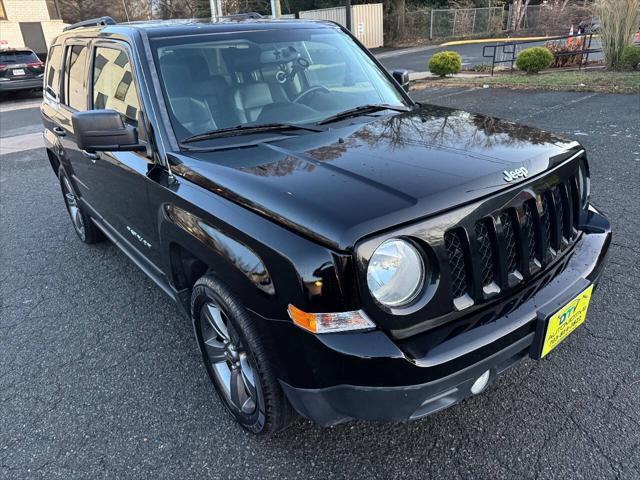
(402, 77)
(104, 131)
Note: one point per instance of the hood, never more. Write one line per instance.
(372, 173)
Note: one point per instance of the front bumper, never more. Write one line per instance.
(367, 375)
(21, 84)
(333, 405)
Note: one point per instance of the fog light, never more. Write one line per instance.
(481, 383)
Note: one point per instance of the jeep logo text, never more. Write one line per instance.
(511, 175)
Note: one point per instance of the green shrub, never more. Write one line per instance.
(630, 59)
(445, 63)
(534, 59)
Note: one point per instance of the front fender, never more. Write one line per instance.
(266, 265)
(222, 251)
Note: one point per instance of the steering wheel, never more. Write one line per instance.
(316, 88)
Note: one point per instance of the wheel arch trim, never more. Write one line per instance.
(216, 247)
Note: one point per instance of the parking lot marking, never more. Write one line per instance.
(556, 107)
(21, 142)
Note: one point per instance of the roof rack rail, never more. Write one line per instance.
(241, 16)
(92, 22)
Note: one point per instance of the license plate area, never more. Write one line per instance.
(553, 329)
(18, 72)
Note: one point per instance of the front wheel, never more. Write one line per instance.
(82, 223)
(236, 360)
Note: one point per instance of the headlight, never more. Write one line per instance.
(396, 273)
(584, 183)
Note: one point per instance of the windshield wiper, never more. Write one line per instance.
(248, 129)
(362, 110)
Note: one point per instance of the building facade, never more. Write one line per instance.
(30, 23)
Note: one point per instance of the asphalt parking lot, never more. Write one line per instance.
(100, 377)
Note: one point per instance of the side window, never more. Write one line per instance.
(113, 85)
(53, 71)
(75, 93)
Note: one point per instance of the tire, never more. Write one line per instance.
(81, 221)
(259, 404)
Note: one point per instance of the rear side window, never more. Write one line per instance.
(18, 56)
(52, 81)
(74, 90)
(113, 84)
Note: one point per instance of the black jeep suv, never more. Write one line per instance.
(342, 251)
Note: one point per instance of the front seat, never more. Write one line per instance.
(193, 113)
(250, 99)
(217, 93)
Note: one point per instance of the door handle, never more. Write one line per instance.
(91, 156)
(59, 131)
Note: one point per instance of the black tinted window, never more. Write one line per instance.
(113, 85)
(18, 56)
(75, 93)
(53, 70)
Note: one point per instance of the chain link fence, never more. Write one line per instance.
(549, 19)
(419, 26)
(415, 27)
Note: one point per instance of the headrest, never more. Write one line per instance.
(214, 85)
(252, 95)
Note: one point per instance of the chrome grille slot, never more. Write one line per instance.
(529, 227)
(485, 250)
(510, 241)
(458, 267)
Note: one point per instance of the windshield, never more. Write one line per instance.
(297, 76)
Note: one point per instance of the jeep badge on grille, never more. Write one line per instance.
(511, 175)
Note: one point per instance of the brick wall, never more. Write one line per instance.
(10, 32)
(26, 10)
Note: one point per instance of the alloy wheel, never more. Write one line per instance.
(73, 209)
(229, 360)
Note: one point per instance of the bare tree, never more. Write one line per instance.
(518, 13)
(181, 8)
(73, 11)
(399, 8)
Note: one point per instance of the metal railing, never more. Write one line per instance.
(506, 52)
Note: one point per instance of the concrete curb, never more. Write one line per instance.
(21, 142)
(487, 40)
(422, 75)
(19, 105)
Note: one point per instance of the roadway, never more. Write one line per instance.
(415, 59)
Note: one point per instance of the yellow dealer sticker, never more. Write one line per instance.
(566, 320)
